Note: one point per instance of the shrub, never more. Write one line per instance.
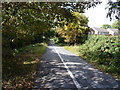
(105, 50)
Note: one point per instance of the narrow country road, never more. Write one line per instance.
(60, 68)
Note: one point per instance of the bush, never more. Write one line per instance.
(104, 50)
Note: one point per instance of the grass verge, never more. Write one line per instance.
(19, 71)
(73, 49)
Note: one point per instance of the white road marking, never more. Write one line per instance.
(69, 72)
(73, 63)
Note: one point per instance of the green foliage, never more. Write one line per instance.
(75, 29)
(103, 50)
(19, 71)
(24, 23)
(116, 24)
(58, 39)
(106, 26)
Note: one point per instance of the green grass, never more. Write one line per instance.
(101, 51)
(73, 49)
(19, 71)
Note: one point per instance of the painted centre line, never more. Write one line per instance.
(68, 70)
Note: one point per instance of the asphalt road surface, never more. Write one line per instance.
(60, 68)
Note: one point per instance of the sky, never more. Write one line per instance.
(97, 15)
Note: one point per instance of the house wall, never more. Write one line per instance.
(96, 32)
(103, 32)
(116, 33)
(111, 32)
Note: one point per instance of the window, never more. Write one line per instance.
(115, 33)
(104, 33)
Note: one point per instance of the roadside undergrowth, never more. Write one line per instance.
(101, 51)
(19, 71)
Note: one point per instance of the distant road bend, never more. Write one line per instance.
(60, 68)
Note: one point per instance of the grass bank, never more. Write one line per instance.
(101, 51)
(19, 71)
(73, 49)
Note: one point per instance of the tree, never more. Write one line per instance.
(116, 24)
(75, 29)
(106, 26)
(113, 10)
(24, 23)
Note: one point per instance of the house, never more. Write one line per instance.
(99, 31)
(113, 31)
(102, 31)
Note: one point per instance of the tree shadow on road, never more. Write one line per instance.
(53, 74)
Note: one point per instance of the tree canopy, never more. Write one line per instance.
(113, 10)
(116, 24)
(74, 30)
(24, 23)
(105, 26)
